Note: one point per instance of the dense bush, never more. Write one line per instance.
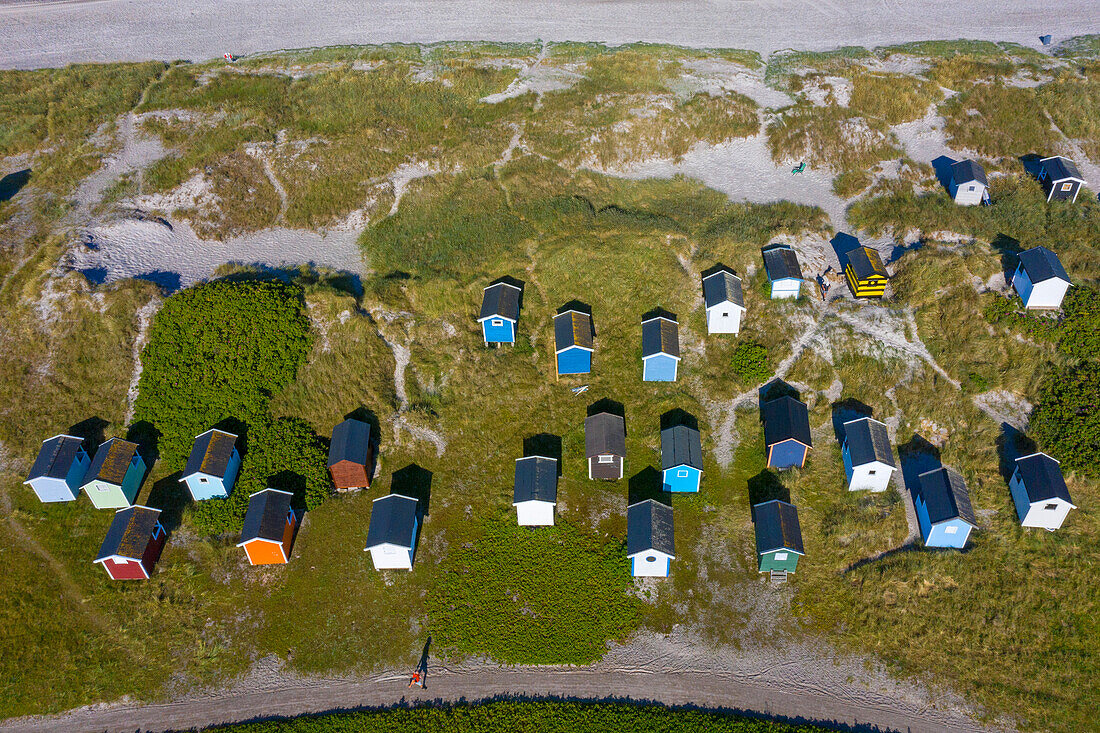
(750, 363)
(1079, 330)
(513, 594)
(520, 717)
(215, 355)
(1066, 423)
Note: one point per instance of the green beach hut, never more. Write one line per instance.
(778, 537)
(115, 475)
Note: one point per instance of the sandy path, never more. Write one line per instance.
(34, 34)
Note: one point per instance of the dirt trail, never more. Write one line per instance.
(673, 688)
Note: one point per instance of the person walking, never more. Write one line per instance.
(416, 680)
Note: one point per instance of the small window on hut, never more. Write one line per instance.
(1050, 507)
(606, 459)
(1067, 186)
(497, 322)
(951, 530)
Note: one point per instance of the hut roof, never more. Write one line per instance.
(604, 433)
(777, 528)
(350, 442)
(945, 495)
(572, 328)
(866, 262)
(55, 457)
(1042, 478)
(129, 533)
(112, 461)
(868, 442)
(966, 171)
(649, 527)
(781, 263)
(1060, 169)
(722, 287)
(1041, 264)
(392, 521)
(681, 446)
(660, 335)
(786, 418)
(266, 516)
(211, 453)
(500, 300)
(536, 480)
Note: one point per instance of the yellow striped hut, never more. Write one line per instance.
(865, 273)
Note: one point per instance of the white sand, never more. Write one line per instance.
(34, 34)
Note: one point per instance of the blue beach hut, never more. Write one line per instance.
(499, 312)
(660, 349)
(783, 270)
(212, 465)
(943, 508)
(573, 342)
(681, 459)
(59, 469)
(786, 433)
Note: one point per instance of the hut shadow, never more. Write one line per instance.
(147, 437)
(610, 406)
(93, 431)
(773, 390)
(309, 273)
(917, 456)
(12, 183)
(415, 482)
(1012, 444)
(546, 445)
(659, 312)
(842, 244)
(238, 428)
(1031, 164)
(168, 281)
(942, 166)
(171, 497)
(646, 484)
(1009, 249)
(846, 410)
(766, 486)
(676, 417)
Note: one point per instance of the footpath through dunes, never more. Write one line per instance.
(813, 689)
(35, 34)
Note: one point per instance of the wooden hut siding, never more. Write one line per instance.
(652, 564)
(269, 525)
(868, 477)
(872, 286)
(574, 360)
(1039, 492)
(783, 271)
(1040, 279)
(393, 532)
(778, 560)
(105, 493)
(133, 544)
(968, 184)
(499, 312)
(573, 342)
(778, 536)
(498, 331)
(681, 479)
(950, 533)
(659, 368)
(610, 468)
(1060, 178)
(350, 475)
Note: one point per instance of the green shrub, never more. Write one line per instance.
(1079, 329)
(750, 363)
(1066, 422)
(513, 594)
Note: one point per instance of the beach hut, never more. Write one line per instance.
(391, 536)
(868, 457)
(535, 493)
(573, 342)
(58, 472)
(1060, 178)
(133, 543)
(865, 272)
(968, 184)
(605, 446)
(268, 529)
(681, 458)
(499, 312)
(783, 270)
(649, 541)
(1040, 280)
(212, 466)
(1040, 492)
(351, 455)
(778, 537)
(943, 508)
(724, 300)
(113, 479)
(786, 433)
(660, 349)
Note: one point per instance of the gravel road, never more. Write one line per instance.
(37, 33)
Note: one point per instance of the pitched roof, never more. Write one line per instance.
(966, 171)
(722, 287)
(266, 516)
(649, 527)
(1041, 264)
(660, 336)
(1042, 478)
(786, 418)
(866, 262)
(350, 442)
(781, 262)
(945, 495)
(572, 328)
(392, 521)
(868, 442)
(129, 533)
(604, 433)
(55, 457)
(536, 480)
(211, 453)
(777, 527)
(111, 462)
(681, 446)
(1059, 168)
(500, 300)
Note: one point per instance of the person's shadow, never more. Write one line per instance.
(422, 665)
